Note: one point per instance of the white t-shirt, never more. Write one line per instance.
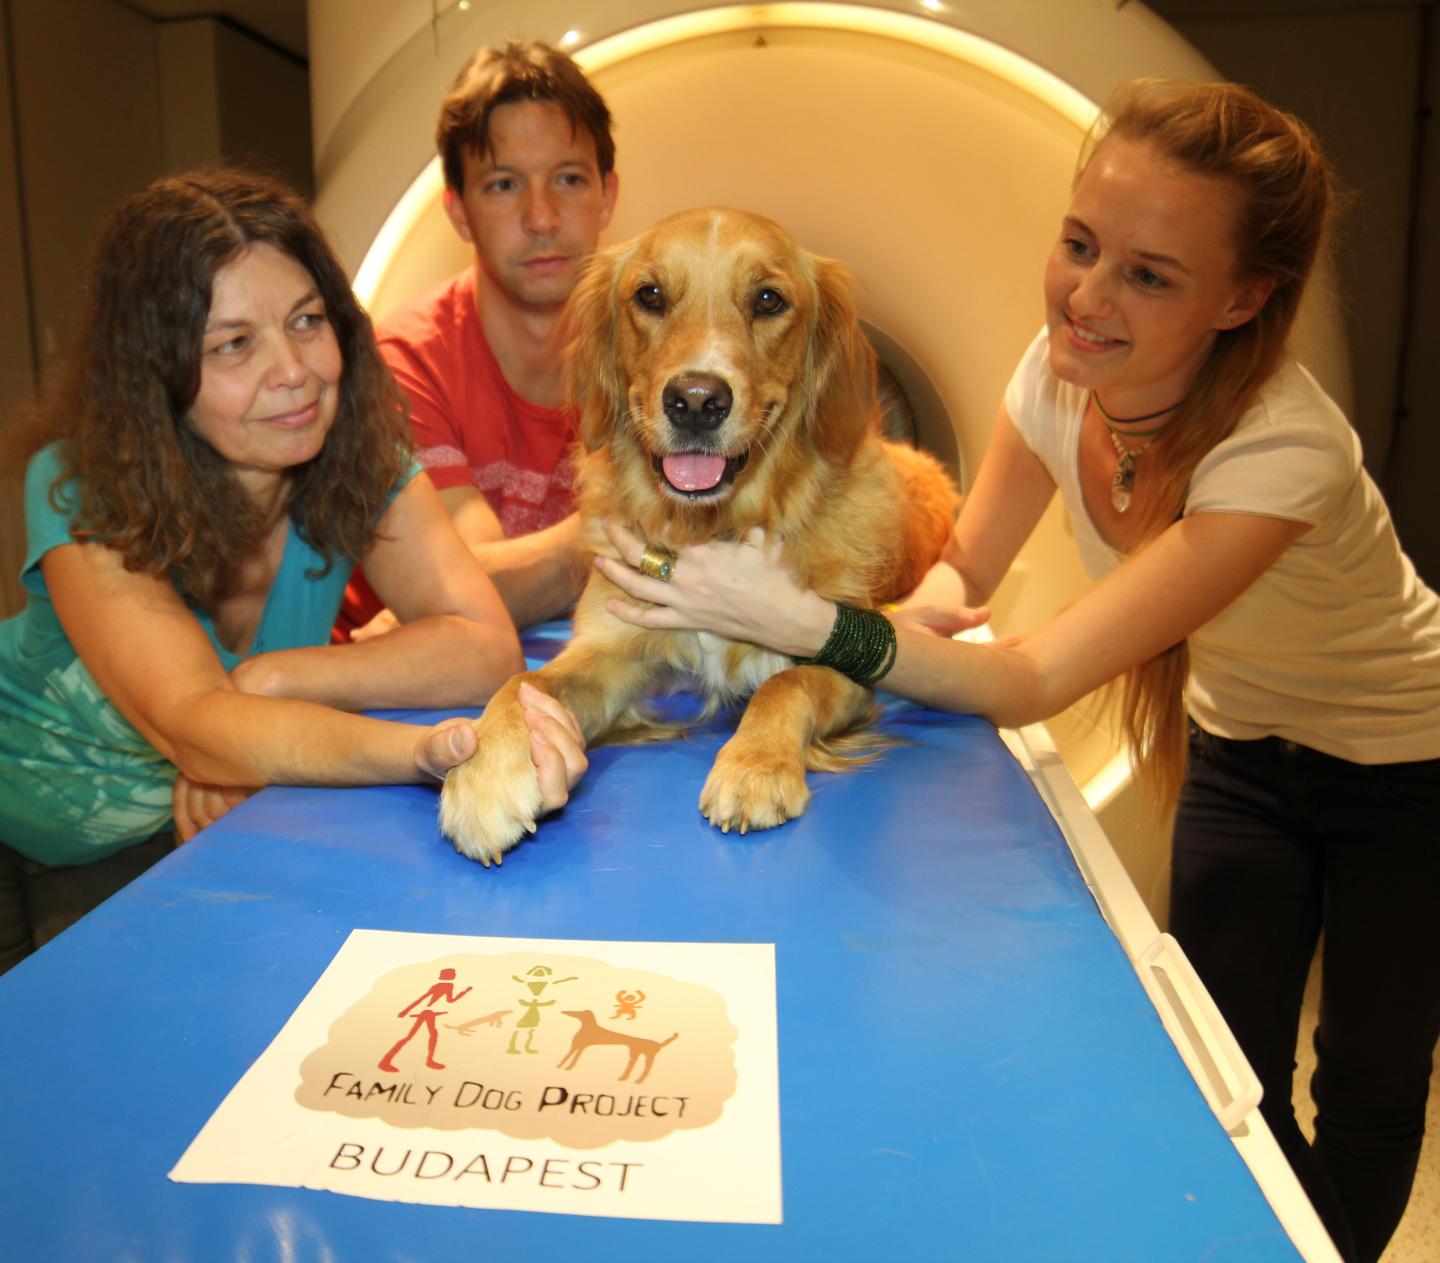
(1336, 645)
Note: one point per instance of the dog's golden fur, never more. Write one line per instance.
(715, 333)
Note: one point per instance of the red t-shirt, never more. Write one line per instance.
(470, 427)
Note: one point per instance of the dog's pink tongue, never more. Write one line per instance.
(693, 471)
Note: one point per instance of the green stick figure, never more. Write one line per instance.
(537, 978)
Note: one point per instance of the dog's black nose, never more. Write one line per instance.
(697, 401)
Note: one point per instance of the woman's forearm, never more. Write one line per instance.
(1004, 685)
(441, 661)
(229, 738)
(796, 626)
(226, 737)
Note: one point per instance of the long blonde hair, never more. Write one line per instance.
(1285, 195)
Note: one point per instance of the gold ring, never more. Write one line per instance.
(657, 563)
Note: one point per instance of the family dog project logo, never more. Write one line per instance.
(570, 1076)
(535, 1046)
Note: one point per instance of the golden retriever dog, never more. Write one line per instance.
(723, 382)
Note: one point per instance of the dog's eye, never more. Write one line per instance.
(769, 302)
(650, 297)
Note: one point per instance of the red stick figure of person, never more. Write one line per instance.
(441, 993)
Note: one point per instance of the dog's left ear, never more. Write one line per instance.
(593, 378)
(840, 368)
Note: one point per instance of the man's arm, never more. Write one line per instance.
(539, 575)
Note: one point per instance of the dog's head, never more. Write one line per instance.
(713, 345)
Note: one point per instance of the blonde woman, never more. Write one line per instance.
(1280, 658)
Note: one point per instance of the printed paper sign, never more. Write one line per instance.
(636, 1080)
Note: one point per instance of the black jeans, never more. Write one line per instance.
(1274, 843)
(37, 900)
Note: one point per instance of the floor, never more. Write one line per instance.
(1417, 1240)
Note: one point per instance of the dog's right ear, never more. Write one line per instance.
(840, 368)
(593, 378)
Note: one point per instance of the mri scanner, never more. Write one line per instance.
(929, 145)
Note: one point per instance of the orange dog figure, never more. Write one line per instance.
(591, 1034)
(724, 383)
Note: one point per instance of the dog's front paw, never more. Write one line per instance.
(492, 800)
(750, 787)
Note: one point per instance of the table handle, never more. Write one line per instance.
(1199, 1032)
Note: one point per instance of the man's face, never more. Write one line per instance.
(534, 205)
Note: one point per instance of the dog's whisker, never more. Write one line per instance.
(760, 438)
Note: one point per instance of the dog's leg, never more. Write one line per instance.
(493, 799)
(758, 779)
(629, 1065)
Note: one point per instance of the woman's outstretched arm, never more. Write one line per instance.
(153, 660)
(1156, 598)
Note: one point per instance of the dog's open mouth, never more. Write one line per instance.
(699, 474)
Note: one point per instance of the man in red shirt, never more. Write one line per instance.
(530, 182)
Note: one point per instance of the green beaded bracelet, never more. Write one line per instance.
(861, 645)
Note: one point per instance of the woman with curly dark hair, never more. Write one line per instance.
(221, 446)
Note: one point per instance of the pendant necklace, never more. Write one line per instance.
(1123, 483)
